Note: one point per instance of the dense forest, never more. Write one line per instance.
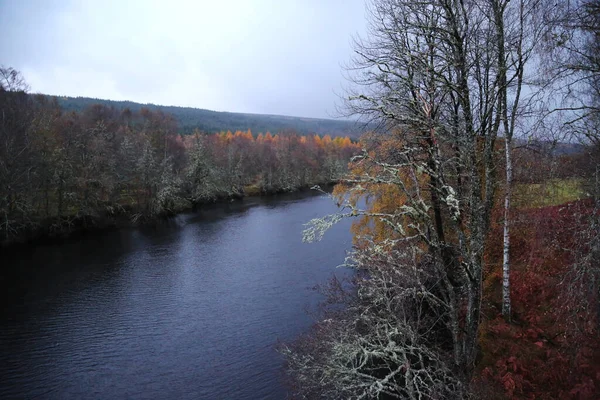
(207, 121)
(61, 171)
(477, 253)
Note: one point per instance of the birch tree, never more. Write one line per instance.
(519, 28)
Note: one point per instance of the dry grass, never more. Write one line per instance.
(550, 193)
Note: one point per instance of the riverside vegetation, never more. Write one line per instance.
(63, 171)
(476, 252)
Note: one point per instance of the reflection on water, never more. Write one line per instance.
(189, 309)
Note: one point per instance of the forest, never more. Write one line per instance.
(189, 119)
(477, 253)
(62, 171)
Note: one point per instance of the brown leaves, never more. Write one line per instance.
(540, 355)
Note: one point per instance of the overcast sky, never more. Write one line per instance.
(259, 56)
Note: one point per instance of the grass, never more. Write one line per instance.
(550, 193)
(252, 190)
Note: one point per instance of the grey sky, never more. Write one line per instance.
(260, 56)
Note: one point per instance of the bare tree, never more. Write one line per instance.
(16, 166)
(519, 30)
(572, 65)
(440, 75)
(573, 47)
(11, 80)
(382, 345)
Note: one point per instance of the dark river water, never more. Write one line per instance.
(191, 309)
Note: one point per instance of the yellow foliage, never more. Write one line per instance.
(380, 198)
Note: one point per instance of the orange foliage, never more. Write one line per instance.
(318, 140)
(379, 197)
(337, 144)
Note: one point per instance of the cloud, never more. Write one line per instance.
(261, 56)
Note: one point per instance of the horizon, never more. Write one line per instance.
(266, 57)
(198, 108)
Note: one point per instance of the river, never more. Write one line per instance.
(190, 309)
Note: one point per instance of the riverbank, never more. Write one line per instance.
(55, 230)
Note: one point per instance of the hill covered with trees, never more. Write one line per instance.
(207, 121)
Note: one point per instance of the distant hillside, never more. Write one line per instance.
(213, 121)
(552, 147)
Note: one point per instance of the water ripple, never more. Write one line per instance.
(187, 310)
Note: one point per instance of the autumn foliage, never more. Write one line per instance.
(379, 197)
(552, 348)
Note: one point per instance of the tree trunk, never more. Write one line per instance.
(506, 306)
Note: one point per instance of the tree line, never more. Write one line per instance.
(64, 170)
(190, 119)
